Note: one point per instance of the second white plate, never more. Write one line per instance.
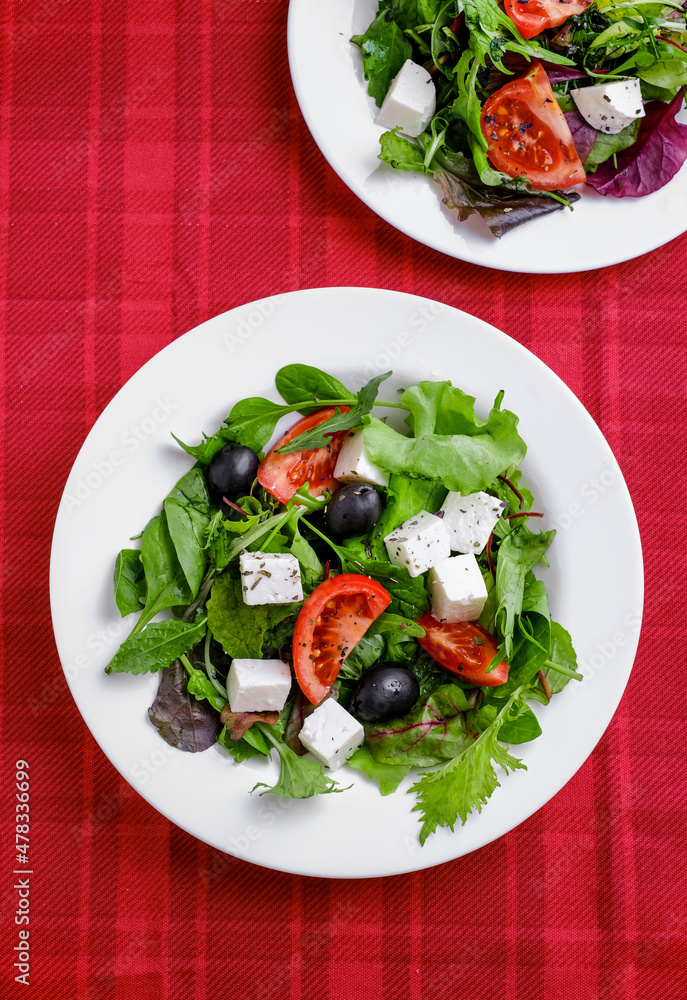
(326, 69)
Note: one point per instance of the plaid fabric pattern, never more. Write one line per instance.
(155, 171)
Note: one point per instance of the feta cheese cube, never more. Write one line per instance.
(270, 578)
(610, 107)
(258, 685)
(470, 520)
(457, 589)
(353, 465)
(331, 734)
(418, 543)
(410, 101)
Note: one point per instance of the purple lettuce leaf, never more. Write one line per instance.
(654, 159)
(182, 721)
(238, 723)
(583, 135)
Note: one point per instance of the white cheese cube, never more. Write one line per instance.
(469, 520)
(331, 734)
(270, 578)
(410, 101)
(610, 107)
(353, 465)
(258, 685)
(457, 589)
(418, 543)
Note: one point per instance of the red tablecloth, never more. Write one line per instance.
(155, 171)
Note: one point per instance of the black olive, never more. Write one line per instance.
(385, 692)
(353, 510)
(232, 471)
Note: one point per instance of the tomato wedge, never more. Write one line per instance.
(533, 16)
(332, 620)
(282, 475)
(528, 135)
(465, 649)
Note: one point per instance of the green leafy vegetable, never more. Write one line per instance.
(298, 778)
(129, 582)
(518, 553)
(467, 781)
(240, 628)
(434, 731)
(155, 648)
(303, 384)
(387, 776)
(385, 48)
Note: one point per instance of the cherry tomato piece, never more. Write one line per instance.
(332, 620)
(534, 16)
(282, 475)
(528, 135)
(464, 649)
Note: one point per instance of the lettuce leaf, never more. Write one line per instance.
(467, 781)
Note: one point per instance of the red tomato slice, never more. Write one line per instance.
(465, 649)
(528, 135)
(332, 620)
(282, 475)
(533, 16)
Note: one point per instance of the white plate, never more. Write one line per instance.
(129, 462)
(328, 79)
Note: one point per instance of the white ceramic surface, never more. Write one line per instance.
(326, 69)
(129, 462)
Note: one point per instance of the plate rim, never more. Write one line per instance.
(325, 293)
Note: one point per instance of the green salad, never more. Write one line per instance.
(350, 594)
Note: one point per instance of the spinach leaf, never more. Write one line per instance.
(408, 595)
(387, 776)
(303, 384)
(434, 731)
(298, 778)
(467, 781)
(252, 421)
(238, 627)
(156, 647)
(465, 455)
(385, 48)
(563, 655)
(181, 721)
(129, 582)
(166, 583)
(187, 510)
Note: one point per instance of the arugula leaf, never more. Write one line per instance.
(387, 776)
(181, 721)
(298, 778)
(318, 437)
(303, 384)
(155, 648)
(385, 48)
(238, 627)
(467, 781)
(208, 447)
(129, 582)
(464, 455)
(201, 687)
(518, 553)
(434, 731)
